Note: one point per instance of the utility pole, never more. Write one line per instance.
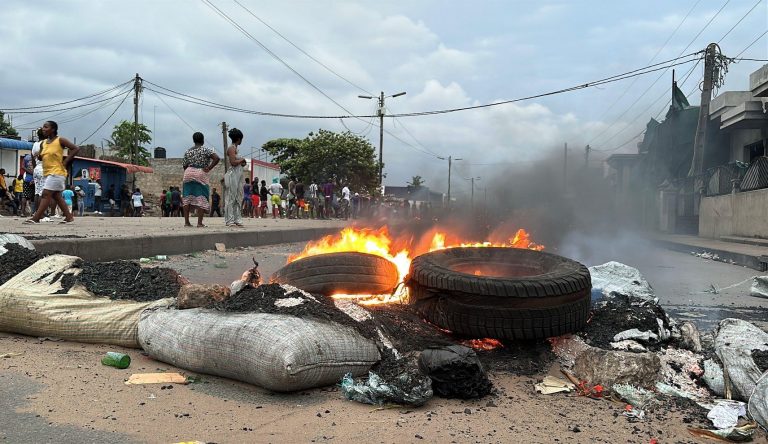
(380, 112)
(587, 149)
(135, 147)
(226, 162)
(565, 168)
(450, 160)
(710, 73)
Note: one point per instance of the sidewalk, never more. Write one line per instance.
(752, 256)
(111, 238)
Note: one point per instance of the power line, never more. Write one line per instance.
(68, 119)
(110, 116)
(275, 56)
(18, 110)
(302, 51)
(740, 20)
(65, 109)
(753, 42)
(657, 79)
(649, 61)
(172, 110)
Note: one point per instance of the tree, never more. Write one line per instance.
(5, 127)
(123, 139)
(324, 155)
(416, 182)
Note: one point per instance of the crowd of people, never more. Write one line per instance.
(42, 190)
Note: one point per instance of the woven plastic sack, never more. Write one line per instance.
(278, 352)
(30, 305)
(735, 339)
(758, 402)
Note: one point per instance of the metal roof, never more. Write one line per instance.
(13, 144)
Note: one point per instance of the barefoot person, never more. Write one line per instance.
(233, 181)
(198, 163)
(54, 171)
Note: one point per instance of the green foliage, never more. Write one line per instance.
(324, 155)
(5, 127)
(416, 182)
(123, 140)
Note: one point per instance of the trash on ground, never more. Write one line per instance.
(759, 288)
(690, 338)
(400, 384)
(608, 367)
(220, 247)
(758, 402)
(633, 413)
(117, 360)
(629, 345)
(735, 341)
(725, 414)
(615, 277)
(156, 378)
(735, 434)
(10, 355)
(552, 384)
(635, 396)
(713, 377)
(636, 335)
(456, 372)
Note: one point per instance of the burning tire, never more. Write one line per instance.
(503, 293)
(349, 273)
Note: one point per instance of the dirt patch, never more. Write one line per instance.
(125, 280)
(523, 358)
(761, 359)
(693, 415)
(621, 313)
(15, 260)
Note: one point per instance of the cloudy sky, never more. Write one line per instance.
(444, 54)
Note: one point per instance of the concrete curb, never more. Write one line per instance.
(110, 249)
(755, 262)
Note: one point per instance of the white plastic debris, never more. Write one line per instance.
(552, 384)
(636, 335)
(735, 340)
(726, 413)
(623, 279)
(636, 396)
(628, 345)
(758, 402)
(759, 287)
(289, 302)
(14, 239)
(713, 377)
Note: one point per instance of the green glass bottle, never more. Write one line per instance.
(117, 360)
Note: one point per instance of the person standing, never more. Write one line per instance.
(175, 202)
(328, 195)
(18, 192)
(345, 201)
(355, 206)
(246, 209)
(275, 193)
(111, 199)
(37, 169)
(163, 204)
(233, 179)
(263, 197)
(215, 203)
(55, 171)
(125, 201)
(79, 201)
(299, 199)
(198, 163)
(312, 198)
(28, 185)
(97, 196)
(138, 203)
(69, 197)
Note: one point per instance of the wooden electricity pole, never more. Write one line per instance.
(135, 145)
(710, 68)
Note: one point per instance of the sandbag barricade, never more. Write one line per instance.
(30, 305)
(278, 352)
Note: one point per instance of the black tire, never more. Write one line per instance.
(350, 273)
(550, 295)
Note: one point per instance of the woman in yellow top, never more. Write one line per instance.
(54, 171)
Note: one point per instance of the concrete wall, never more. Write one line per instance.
(740, 214)
(169, 172)
(741, 138)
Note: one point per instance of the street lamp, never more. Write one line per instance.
(380, 112)
(449, 176)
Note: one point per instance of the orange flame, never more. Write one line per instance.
(380, 243)
(483, 344)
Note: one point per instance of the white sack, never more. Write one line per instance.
(623, 279)
(278, 352)
(734, 341)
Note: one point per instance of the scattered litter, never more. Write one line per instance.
(552, 384)
(375, 390)
(668, 390)
(636, 396)
(680, 369)
(156, 378)
(567, 348)
(161, 257)
(615, 277)
(117, 360)
(10, 355)
(725, 414)
(628, 345)
(145, 260)
(456, 372)
(637, 335)
(735, 341)
(221, 248)
(713, 377)
(759, 288)
(735, 434)
(585, 389)
(289, 302)
(221, 265)
(758, 402)
(633, 414)
(690, 338)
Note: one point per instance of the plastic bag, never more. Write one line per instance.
(407, 388)
(456, 372)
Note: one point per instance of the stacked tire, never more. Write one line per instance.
(516, 294)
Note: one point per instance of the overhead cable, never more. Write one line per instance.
(19, 110)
